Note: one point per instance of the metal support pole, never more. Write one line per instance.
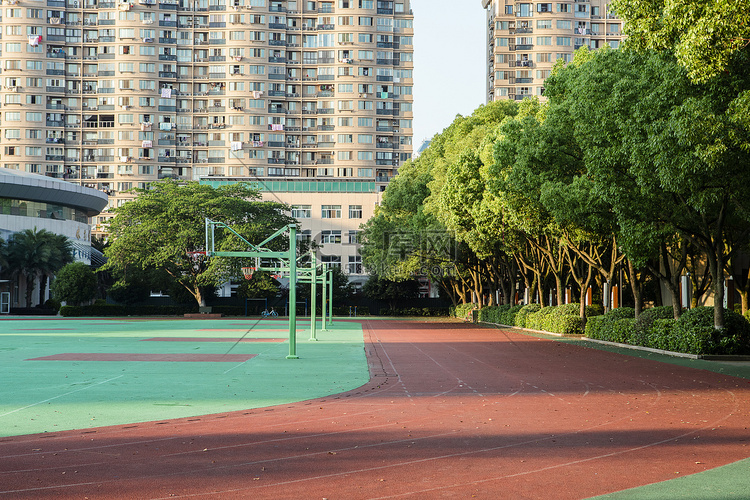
(292, 292)
(324, 298)
(313, 293)
(330, 297)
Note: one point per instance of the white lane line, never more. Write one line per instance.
(61, 396)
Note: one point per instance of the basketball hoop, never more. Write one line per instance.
(195, 256)
(248, 272)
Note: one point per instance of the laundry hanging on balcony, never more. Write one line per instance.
(166, 93)
(147, 144)
(236, 146)
(166, 126)
(35, 40)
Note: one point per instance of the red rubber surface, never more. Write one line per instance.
(451, 411)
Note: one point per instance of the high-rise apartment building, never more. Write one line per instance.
(311, 99)
(525, 39)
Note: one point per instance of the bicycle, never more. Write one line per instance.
(266, 313)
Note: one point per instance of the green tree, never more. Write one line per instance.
(662, 151)
(159, 230)
(36, 254)
(74, 284)
(707, 37)
(393, 292)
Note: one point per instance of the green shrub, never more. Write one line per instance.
(491, 314)
(593, 326)
(462, 311)
(75, 284)
(603, 327)
(642, 329)
(420, 311)
(662, 336)
(695, 333)
(622, 330)
(523, 313)
(538, 320)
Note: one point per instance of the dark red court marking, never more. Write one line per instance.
(208, 339)
(203, 358)
(451, 411)
(39, 329)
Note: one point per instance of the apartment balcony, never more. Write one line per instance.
(277, 26)
(522, 47)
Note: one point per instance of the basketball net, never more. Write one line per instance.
(248, 272)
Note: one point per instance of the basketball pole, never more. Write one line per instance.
(330, 298)
(313, 298)
(324, 298)
(292, 292)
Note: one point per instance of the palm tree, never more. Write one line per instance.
(37, 253)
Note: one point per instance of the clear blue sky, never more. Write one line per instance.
(450, 65)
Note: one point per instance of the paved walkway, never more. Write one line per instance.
(451, 411)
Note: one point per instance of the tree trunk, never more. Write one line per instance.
(42, 288)
(636, 286)
(29, 288)
(716, 264)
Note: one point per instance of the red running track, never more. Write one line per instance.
(451, 411)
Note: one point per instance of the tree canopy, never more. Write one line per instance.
(161, 228)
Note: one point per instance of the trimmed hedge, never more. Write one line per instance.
(121, 310)
(562, 319)
(523, 314)
(693, 333)
(642, 329)
(501, 315)
(421, 311)
(461, 311)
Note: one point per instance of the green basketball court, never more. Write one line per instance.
(74, 374)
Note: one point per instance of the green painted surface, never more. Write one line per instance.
(45, 396)
(723, 483)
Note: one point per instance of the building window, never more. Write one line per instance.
(332, 236)
(544, 7)
(355, 211)
(331, 261)
(302, 211)
(353, 237)
(355, 264)
(331, 211)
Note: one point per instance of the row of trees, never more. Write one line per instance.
(34, 255)
(639, 160)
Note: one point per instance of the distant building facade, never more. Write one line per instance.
(525, 39)
(30, 201)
